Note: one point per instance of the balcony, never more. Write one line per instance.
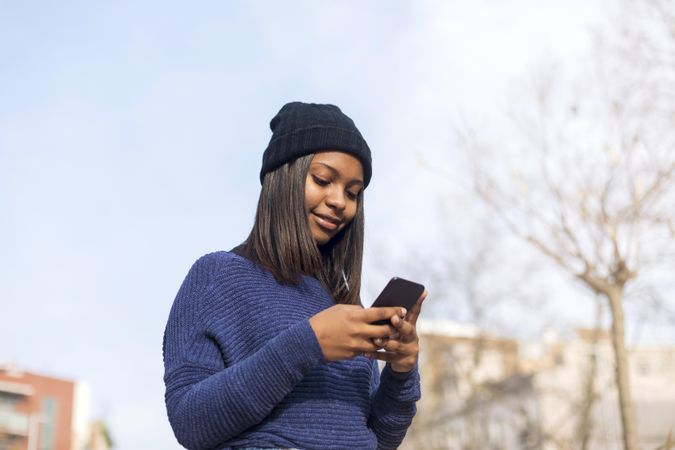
(12, 423)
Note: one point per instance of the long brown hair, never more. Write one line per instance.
(282, 243)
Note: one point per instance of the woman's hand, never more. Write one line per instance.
(402, 351)
(345, 331)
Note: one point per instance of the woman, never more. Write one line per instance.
(267, 345)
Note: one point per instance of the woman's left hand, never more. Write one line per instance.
(401, 352)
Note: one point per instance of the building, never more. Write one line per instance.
(484, 392)
(474, 395)
(578, 396)
(39, 412)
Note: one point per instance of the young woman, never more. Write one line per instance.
(267, 345)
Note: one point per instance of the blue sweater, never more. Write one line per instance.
(243, 367)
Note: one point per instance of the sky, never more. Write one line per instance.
(131, 137)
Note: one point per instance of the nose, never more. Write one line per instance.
(335, 198)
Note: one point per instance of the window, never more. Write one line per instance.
(48, 428)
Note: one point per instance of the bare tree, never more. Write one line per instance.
(591, 178)
(585, 423)
(475, 397)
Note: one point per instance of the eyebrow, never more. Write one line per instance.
(335, 171)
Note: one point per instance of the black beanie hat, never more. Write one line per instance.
(302, 128)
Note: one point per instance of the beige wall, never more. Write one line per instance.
(474, 384)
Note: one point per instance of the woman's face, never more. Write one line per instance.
(334, 183)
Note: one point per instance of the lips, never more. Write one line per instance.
(327, 222)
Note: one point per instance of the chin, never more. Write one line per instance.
(322, 241)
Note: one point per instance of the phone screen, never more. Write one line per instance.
(398, 292)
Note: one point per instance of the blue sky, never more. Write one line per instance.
(131, 136)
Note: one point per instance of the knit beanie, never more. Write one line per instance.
(302, 128)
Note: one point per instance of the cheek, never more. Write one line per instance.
(350, 212)
(312, 198)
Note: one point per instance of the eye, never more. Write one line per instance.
(320, 181)
(353, 195)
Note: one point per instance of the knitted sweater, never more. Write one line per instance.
(243, 367)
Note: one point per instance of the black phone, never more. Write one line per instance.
(398, 292)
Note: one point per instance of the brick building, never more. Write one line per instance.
(39, 412)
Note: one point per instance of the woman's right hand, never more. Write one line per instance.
(346, 331)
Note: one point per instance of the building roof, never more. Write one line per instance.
(446, 328)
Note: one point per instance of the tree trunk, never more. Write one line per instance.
(585, 427)
(615, 298)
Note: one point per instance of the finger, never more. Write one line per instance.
(380, 342)
(381, 313)
(365, 346)
(398, 323)
(406, 331)
(377, 331)
(369, 345)
(394, 346)
(417, 308)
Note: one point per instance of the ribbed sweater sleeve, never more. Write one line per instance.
(208, 403)
(393, 404)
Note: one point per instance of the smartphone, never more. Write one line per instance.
(398, 292)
